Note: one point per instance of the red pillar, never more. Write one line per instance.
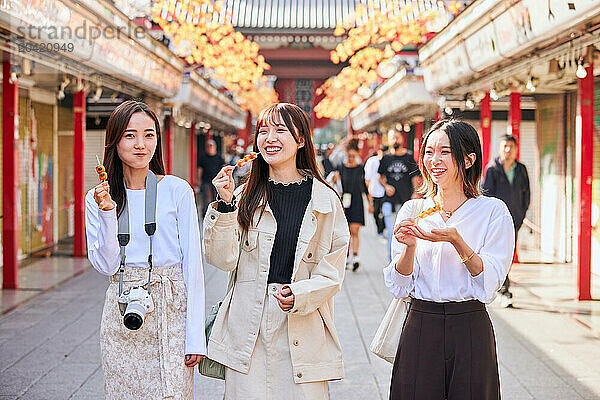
(485, 114)
(514, 116)
(193, 154)
(418, 139)
(10, 232)
(437, 115)
(78, 172)
(168, 145)
(584, 173)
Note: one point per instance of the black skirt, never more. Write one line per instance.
(446, 351)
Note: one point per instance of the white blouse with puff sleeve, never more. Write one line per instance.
(176, 241)
(438, 273)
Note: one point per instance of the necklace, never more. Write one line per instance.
(449, 213)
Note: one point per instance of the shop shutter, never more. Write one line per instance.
(94, 146)
(181, 152)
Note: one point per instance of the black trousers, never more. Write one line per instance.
(377, 202)
(446, 351)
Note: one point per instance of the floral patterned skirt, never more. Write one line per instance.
(147, 363)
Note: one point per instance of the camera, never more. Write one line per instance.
(134, 303)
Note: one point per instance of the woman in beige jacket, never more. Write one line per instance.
(275, 329)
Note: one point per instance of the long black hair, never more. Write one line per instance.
(117, 123)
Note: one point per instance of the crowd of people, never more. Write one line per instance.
(286, 230)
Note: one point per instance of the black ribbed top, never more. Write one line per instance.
(289, 204)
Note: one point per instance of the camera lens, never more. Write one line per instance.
(134, 315)
(133, 321)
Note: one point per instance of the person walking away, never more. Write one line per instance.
(208, 168)
(352, 177)
(451, 262)
(506, 178)
(326, 162)
(376, 189)
(150, 346)
(275, 330)
(398, 174)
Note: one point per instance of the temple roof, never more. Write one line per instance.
(300, 15)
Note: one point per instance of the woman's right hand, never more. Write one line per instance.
(224, 183)
(404, 234)
(102, 197)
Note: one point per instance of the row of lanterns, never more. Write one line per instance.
(375, 33)
(203, 35)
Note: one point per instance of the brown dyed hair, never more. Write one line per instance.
(352, 145)
(257, 187)
(117, 123)
(464, 140)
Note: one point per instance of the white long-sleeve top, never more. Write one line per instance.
(176, 241)
(438, 273)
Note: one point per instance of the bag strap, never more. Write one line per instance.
(149, 225)
(233, 274)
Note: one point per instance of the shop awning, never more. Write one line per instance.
(400, 98)
(93, 37)
(200, 98)
(491, 34)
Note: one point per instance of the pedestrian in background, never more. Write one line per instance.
(209, 166)
(275, 329)
(155, 361)
(507, 179)
(352, 176)
(398, 174)
(451, 263)
(376, 189)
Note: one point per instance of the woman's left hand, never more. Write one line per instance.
(192, 359)
(285, 297)
(436, 235)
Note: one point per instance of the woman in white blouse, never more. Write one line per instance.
(154, 360)
(451, 262)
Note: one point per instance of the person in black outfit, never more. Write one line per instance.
(352, 175)
(208, 168)
(506, 178)
(399, 175)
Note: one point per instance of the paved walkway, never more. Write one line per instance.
(49, 345)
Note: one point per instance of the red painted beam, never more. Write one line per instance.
(514, 116)
(168, 144)
(485, 114)
(301, 70)
(244, 133)
(287, 53)
(78, 172)
(584, 173)
(192, 179)
(10, 230)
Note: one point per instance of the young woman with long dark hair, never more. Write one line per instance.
(451, 261)
(286, 233)
(151, 356)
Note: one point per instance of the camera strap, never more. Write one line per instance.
(149, 225)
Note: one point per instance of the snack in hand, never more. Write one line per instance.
(247, 158)
(101, 171)
(429, 211)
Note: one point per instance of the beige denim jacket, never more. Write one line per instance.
(319, 266)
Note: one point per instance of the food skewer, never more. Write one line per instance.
(429, 211)
(247, 158)
(101, 171)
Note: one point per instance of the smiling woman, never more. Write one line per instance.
(137, 210)
(285, 241)
(450, 260)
